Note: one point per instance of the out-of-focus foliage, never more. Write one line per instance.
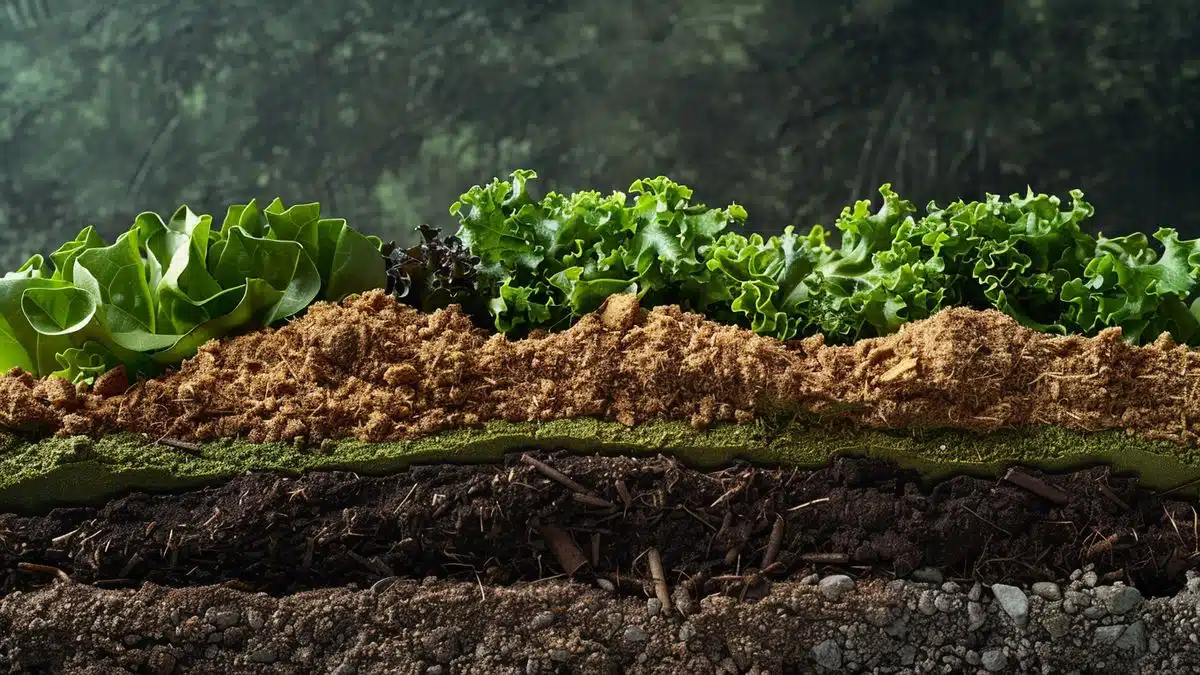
(383, 110)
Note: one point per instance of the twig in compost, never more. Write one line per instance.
(64, 538)
(43, 569)
(825, 558)
(1037, 486)
(805, 505)
(405, 500)
(186, 446)
(660, 579)
(774, 543)
(985, 520)
(554, 474)
(564, 548)
(1113, 497)
(592, 500)
(623, 490)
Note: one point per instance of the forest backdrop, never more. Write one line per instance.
(386, 111)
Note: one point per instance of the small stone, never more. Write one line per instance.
(810, 580)
(1118, 599)
(976, 592)
(948, 603)
(1095, 612)
(1193, 582)
(560, 655)
(908, 655)
(951, 587)
(635, 634)
(653, 606)
(1057, 625)
(926, 603)
(994, 660)
(254, 619)
(435, 670)
(541, 620)
(828, 654)
(972, 658)
(686, 632)
(1090, 578)
(1047, 590)
(1133, 639)
(898, 628)
(928, 575)
(1108, 634)
(261, 656)
(976, 616)
(1013, 601)
(606, 585)
(835, 586)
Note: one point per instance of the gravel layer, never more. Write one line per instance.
(830, 624)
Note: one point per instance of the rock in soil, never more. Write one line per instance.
(558, 626)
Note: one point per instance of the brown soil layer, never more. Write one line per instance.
(503, 524)
(428, 628)
(378, 370)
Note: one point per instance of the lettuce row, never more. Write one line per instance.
(546, 262)
(162, 289)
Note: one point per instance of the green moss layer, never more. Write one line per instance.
(36, 475)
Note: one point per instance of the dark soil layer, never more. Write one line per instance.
(500, 524)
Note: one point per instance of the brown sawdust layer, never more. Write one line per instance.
(378, 370)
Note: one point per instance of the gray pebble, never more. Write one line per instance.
(994, 660)
(828, 654)
(254, 619)
(1048, 590)
(810, 580)
(1013, 601)
(836, 586)
(948, 603)
(434, 670)
(1118, 599)
(976, 616)
(653, 606)
(976, 592)
(926, 603)
(606, 585)
(1133, 639)
(686, 632)
(635, 634)
(261, 656)
(1090, 578)
(541, 620)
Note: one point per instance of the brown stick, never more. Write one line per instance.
(660, 579)
(592, 500)
(774, 543)
(623, 490)
(1113, 496)
(826, 558)
(554, 474)
(43, 569)
(186, 446)
(1037, 486)
(564, 548)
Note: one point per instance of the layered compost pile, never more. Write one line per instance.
(597, 433)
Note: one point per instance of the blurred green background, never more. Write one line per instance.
(386, 111)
